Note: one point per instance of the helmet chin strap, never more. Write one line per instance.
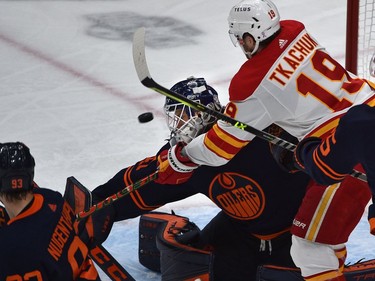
(250, 54)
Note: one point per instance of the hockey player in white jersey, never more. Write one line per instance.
(288, 79)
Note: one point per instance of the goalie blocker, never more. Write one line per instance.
(166, 245)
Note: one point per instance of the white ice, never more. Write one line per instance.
(69, 89)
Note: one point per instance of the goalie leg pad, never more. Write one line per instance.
(148, 253)
(166, 246)
(360, 271)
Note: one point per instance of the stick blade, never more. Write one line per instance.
(139, 56)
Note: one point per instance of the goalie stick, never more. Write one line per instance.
(109, 200)
(144, 76)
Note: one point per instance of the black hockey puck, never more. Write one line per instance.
(145, 117)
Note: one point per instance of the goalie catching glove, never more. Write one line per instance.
(174, 167)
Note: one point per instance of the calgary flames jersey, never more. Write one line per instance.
(294, 83)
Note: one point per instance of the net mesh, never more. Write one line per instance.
(366, 37)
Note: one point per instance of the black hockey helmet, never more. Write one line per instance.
(16, 167)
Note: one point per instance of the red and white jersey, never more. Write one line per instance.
(294, 83)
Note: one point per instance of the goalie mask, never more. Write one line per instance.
(184, 122)
(259, 18)
(16, 167)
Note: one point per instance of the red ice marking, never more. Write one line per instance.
(74, 72)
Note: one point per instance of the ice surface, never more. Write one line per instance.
(69, 89)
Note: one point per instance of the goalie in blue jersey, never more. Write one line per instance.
(258, 197)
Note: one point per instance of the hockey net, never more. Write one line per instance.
(360, 36)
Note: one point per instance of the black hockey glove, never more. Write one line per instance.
(283, 156)
(304, 148)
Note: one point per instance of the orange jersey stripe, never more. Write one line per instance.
(327, 170)
(341, 255)
(223, 144)
(325, 128)
(35, 207)
(371, 100)
(372, 225)
(137, 199)
(328, 275)
(270, 236)
(135, 195)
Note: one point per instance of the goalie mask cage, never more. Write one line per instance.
(360, 37)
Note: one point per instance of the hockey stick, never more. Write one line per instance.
(146, 79)
(79, 197)
(144, 76)
(109, 264)
(109, 200)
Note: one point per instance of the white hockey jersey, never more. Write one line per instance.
(294, 83)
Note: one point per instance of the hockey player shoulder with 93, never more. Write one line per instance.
(257, 197)
(38, 240)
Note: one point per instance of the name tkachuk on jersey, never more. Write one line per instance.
(303, 47)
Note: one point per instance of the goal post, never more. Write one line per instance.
(360, 36)
(352, 17)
